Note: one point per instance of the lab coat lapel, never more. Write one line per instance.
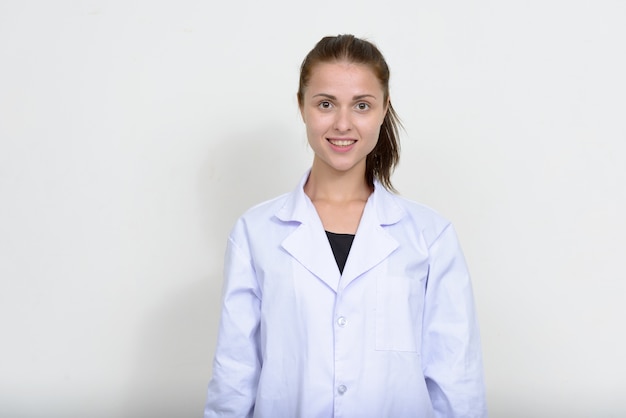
(372, 243)
(308, 243)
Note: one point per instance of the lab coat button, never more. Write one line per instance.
(341, 389)
(341, 321)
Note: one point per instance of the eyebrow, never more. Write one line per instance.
(357, 97)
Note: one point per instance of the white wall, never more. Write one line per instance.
(132, 134)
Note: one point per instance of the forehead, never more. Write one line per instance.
(344, 76)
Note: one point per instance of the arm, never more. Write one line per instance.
(237, 363)
(451, 344)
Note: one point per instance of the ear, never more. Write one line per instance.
(387, 107)
(301, 107)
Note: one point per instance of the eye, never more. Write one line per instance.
(362, 106)
(325, 104)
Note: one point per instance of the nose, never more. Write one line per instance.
(343, 122)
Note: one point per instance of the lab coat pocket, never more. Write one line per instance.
(399, 308)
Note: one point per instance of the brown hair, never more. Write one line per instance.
(381, 162)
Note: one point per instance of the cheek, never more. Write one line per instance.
(371, 129)
(316, 124)
(314, 131)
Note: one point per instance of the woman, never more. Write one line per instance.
(342, 299)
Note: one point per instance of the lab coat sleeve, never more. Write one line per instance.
(237, 363)
(452, 358)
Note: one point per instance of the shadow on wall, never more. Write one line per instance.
(175, 344)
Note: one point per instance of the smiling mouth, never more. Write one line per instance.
(341, 142)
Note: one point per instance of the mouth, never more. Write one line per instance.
(339, 142)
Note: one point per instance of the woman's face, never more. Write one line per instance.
(343, 108)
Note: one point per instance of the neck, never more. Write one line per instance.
(337, 186)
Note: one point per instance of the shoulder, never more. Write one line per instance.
(424, 218)
(259, 231)
(266, 208)
(261, 213)
(286, 207)
(420, 210)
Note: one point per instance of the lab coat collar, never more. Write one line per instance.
(309, 245)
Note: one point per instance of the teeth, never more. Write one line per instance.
(342, 142)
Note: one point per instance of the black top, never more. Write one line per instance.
(340, 243)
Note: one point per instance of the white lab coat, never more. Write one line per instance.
(395, 335)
